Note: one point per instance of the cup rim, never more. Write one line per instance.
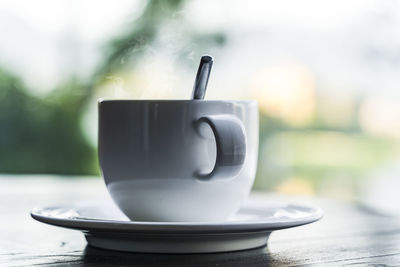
(247, 101)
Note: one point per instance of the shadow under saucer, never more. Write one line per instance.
(251, 257)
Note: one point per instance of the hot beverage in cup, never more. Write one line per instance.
(179, 160)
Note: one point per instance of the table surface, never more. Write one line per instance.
(349, 233)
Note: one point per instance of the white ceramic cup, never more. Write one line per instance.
(178, 160)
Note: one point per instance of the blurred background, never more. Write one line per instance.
(326, 75)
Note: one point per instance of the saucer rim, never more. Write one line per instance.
(147, 227)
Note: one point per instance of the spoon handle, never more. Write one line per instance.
(203, 73)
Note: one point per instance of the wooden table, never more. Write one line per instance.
(349, 234)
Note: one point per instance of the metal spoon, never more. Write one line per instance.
(203, 73)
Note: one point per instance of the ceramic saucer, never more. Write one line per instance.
(104, 226)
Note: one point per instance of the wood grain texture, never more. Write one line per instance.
(349, 234)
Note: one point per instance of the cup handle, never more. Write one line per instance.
(230, 139)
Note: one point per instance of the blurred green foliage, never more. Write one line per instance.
(42, 135)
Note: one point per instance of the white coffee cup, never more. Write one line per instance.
(178, 160)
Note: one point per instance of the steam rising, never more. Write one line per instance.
(118, 86)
